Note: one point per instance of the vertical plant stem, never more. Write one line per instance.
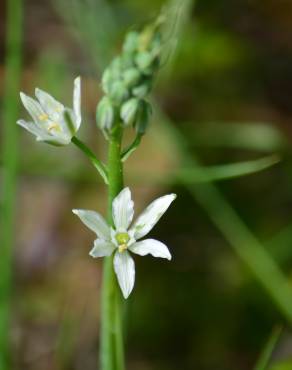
(10, 157)
(112, 352)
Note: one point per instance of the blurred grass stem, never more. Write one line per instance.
(111, 350)
(10, 162)
(225, 218)
(265, 356)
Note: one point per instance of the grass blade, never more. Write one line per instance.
(267, 352)
(257, 136)
(10, 160)
(227, 171)
(226, 219)
(94, 24)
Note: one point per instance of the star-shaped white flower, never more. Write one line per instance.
(49, 122)
(123, 238)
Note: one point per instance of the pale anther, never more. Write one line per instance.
(122, 248)
(54, 126)
(43, 117)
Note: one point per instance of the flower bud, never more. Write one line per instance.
(129, 111)
(131, 42)
(131, 77)
(106, 80)
(118, 92)
(127, 61)
(144, 60)
(105, 114)
(142, 90)
(116, 67)
(111, 74)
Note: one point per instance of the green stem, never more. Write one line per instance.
(101, 168)
(112, 352)
(10, 164)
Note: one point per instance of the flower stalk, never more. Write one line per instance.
(101, 168)
(111, 337)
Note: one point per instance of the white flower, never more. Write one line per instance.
(123, 238)
(49, 122)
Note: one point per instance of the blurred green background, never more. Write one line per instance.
(223, 97)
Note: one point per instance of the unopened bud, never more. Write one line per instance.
(105, 114)
(131, 42)
(118, 92)
(142, 90)
(129, 111)
(111, 74)
(131, 77)
(144, 60)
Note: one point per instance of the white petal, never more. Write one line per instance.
(95, 222)
(151, 246)
(102, 248)
(123, 209)
(51, 106)
(33, 107)
(77, 102)
(41, 134)
(55, 140)
(32, 127)
(125, 269)
(55, 111)
(151, 215)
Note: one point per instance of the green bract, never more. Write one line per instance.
(143, 117)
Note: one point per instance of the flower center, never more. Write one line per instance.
(54, 126)
(122, 239)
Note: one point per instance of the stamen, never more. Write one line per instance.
(54, 126)
(43, 117)
(122, 248)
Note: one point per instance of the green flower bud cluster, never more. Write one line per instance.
(128, 80)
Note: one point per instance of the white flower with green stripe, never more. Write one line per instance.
(124, 238)
(51, 121)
